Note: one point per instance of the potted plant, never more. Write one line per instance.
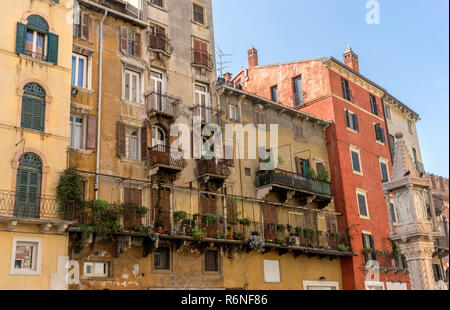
(179, 216)
(218, 236)
(245, 222)
(238, 236)
(209, 219)
(281, 228)
(255, 233)
(198, 234)
(289, 228)
(299, 231)
(159, 224)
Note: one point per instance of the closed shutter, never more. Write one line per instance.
(21, 38)
(137, 44)
(347, 118)
(299, 165)
(144, 145)
(355, 122)
(270, 221)
(121, 147)
(372, 246)
(86, 25)
(377, 132)
(123, 39)
(52, 53)
(33, 113)
(383, 136)
(27, 112)
(28, 193)
(91, 133)
(211, 260)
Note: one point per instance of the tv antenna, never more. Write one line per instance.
(221, 64)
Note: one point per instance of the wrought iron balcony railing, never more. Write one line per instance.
(293, 180)
(207, 114)
(162, 104)
(161, 155)
(28, 206)
(35, 55)
(202, 58)
(159, 42)
(212, 167)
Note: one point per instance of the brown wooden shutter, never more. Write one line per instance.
(91, 133)
(86, 25)
(127, 195)
(121, 148)
(144, 145)
(123, 39)
(137, 44)
(298, 165)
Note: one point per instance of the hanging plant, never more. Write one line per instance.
(69, 194)
(245, 222)
(256, 243)
(281, 227)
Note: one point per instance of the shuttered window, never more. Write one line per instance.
(384, 172)
(373, 104)
(356, 162)
(362, 204)
(351, 120)
(368, 243)
(130, 42)
(212, 260)
(346, 93)
(33, 107)
(28, 187)
(35, 40)
(298, 132)
(379, 133)
(162, 258)
(199, 15)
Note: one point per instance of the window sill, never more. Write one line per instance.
(84, 90)
(358, 173)
(200, 24)
(39, 61)
(25, 273)
(42, 133)
(157, 7)
(161, 271)
(352, 130)
(202, 67)
(381, 143)
(96, 278)
(83, 40)
(80, 151)
(133, 103)
(364, 217)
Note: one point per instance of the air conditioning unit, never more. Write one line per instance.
(133, 10)
(294, 241)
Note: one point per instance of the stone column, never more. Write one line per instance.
(418, 256)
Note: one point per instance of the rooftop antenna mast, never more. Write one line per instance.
(221, 64)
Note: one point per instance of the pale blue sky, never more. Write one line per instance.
(407, 53)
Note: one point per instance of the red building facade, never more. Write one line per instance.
(358, 151)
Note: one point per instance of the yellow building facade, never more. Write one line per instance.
(35, 67)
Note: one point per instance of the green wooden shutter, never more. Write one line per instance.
(21, 38)
(28, 193)
(52, 52)
(38, 114)
(27, 112)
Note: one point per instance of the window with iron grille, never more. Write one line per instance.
(199, 16)
(211, 260)
(162, 258)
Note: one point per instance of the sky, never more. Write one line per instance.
(407, 52)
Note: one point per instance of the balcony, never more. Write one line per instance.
(385, 261)
(419, 167)
(212, 169)
(160, 157)
(289, 181)
(18, 208)
(442, 243)
(202, 59)
(162, 105)
(160, 43)
(207, 114)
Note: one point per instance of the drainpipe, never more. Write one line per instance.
(387, 128)
(99, 102)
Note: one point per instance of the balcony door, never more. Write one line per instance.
(158, 86)
(208, 206)
(28, 188)
(270, 222)
(160, 148)
(203, 102)
(161, 212)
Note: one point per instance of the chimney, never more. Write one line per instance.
(227, 76)
(351, 59)
(252, 57)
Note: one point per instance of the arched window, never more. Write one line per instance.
(35, 40)
(28, 188)
(158, 136)
(33, 107)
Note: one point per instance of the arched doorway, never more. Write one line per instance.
(28, 187)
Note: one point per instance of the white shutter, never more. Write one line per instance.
(272, 271)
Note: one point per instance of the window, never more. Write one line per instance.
(35, 40)
(373, 104)
(346, 92)
(392, 145)
(76, 140)
(272, 271)
(302, 166)
(368, 243)
(157, 2)
(351, 120)
(212, 260)
(79, 70)
(384, 171)
(248, 172)
(96, 269)
(158, 136)
(379, 134)
(28, 187)
(298, 132)
(132, 86)
(203, 102)
(158, 39)
(82, 23)
(437, 272)
(132, 143)
(26, 256)
(356, 161)
(233, 112)
(362, 203)
(162, 258)
(201, 55)
(274, 93)
(320, 285)
(199, 16)
(298, 91)
(158, 87)
(33, 107)
(374, 286)
(387, 110)
(130, 42)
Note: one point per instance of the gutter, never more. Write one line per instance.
(99, 102)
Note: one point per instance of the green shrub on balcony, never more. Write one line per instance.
(209, 219)
(245, 222)
(69, 194)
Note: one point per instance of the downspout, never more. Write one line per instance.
(99, 102)
(387, 127)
